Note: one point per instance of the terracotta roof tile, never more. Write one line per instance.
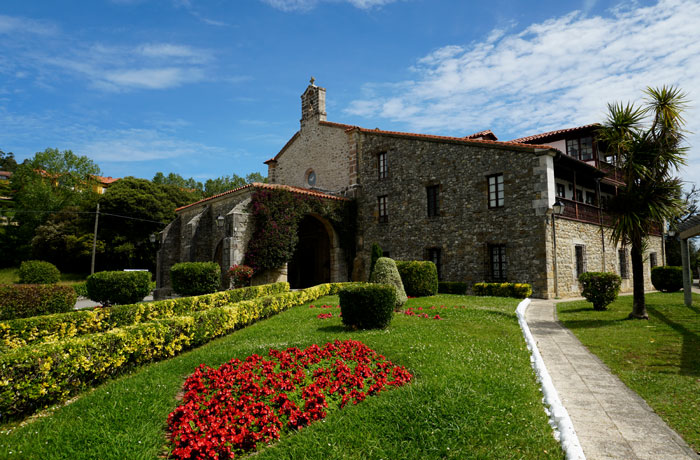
(485, 133)
(106, 180)
(556, 133)
(298, 190)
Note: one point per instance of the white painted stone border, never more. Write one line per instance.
(558, 416)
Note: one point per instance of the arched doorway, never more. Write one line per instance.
(311, 263)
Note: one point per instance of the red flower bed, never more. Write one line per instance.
(241, 405)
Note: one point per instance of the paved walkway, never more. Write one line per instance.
(611, 421)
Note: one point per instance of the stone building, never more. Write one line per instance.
(480, 208)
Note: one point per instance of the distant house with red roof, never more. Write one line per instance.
(480, 208)
(102, 183)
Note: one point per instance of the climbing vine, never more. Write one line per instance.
(277, 214)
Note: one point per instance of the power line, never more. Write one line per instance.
(15, 211)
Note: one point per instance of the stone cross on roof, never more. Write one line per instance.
(312, 80)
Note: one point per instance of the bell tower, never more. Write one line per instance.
(313, 103)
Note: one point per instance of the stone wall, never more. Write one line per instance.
(465, 224)
(319, 147)
(569, 234)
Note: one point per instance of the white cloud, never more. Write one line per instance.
(305, 5)
(554, 74)
(18, 25)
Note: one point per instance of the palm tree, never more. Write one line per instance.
(647, 157)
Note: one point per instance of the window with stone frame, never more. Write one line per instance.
(435, 256)
(382, 166)
(498, 264)
(624, 271)
(382, 206)
(590, 198)
(653, 260)
(496, 192)
(386, 254)
(580, 255)
(433, 192)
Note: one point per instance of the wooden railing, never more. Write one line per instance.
(591, 214)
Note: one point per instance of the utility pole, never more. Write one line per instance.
(94, 240)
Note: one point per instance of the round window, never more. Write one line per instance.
(311, 178)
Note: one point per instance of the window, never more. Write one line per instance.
(386, 254)
(580, 252)
(311, 177)
(622, 254)
(590, 198)
(383, 214)
(495, 191)
(561, 190)
(433, 200)
(581, 149)
(382, 166)
(653, 262)
(434, 255)
(579, 195)
(497, 257)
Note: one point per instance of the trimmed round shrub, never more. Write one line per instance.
(385, 272)
(38, 272)
(118, 288)
(376, 254)
(419, 277)
(25, 300)
(451, 287)
(521, 290)
(667, 278)
(367, 306)
(600, 288)
(81, 289)
(195, 278)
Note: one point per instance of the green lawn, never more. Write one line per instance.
(10, 275)
(473, 396)
(659, 358)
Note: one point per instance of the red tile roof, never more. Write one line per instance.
(289, 142)
(106, 180)
(461, 140)
(6, 173)
(487, 133)
(297, 190)
(556, 133)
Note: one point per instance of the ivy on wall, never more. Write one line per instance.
(277, 214)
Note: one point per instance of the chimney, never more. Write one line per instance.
(313, 103)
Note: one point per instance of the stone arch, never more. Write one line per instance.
(318, 257)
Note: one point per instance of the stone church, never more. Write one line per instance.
(481, 209)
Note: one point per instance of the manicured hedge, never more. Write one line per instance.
(367, 306)
(195, 278)
(38, 272)
(118, 287)
(419, 277)
(25, 300)
(517, 290)
(81, 289)
(385, 272)
(18, 333)
(667, 278)
(600, 288)
(36, 376)
(452, 287)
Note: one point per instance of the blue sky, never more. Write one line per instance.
(211, 88)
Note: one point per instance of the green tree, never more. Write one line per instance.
(7, 161)
(647, 144)
(46, 183)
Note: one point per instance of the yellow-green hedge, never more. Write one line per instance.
(50, 328)
(517, 290)
(39, 375)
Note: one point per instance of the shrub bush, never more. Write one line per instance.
(376, 254)
(195, 278)
(600, 288)
(22, 301)
(34, 377)
(451, 287)
(385, 272)
(368, 306)
(81, 289)
(667, 278)
(38, 272)
(117, 288)
(21, 332)
(240, 275)
(517, 290)
(419, 277)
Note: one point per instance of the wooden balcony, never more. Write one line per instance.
(590, 214)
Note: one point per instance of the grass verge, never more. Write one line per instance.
(11, 275)
(659, 358)
(474, 393)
